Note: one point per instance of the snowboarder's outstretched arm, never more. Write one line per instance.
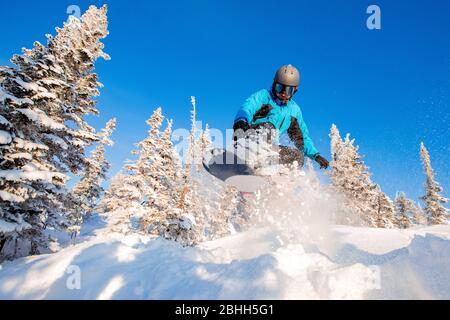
(309, 148)
(299, 134)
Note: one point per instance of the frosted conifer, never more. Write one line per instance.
(89, 190)
(434, 201)
(405, 209)
(43, 134)
(351, 177)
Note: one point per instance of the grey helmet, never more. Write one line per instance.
(288, 75)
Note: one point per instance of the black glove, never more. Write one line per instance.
(324, 164)
(239, 129)
(242, 125)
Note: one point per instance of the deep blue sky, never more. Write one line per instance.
(389, 88)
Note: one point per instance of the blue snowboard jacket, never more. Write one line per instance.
(281, 116)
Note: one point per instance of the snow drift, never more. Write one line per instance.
(292, 251)
(364, 264)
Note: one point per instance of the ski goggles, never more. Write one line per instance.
(289, 90)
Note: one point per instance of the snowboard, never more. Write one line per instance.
(226, 166)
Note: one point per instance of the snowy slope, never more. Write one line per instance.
(292, 250)
(358, 263)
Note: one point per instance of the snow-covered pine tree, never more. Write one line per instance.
(205, 145)
(161, 171)
(434, 201)
(113, 199)
(174, 224)
(157, 175)
(44, 100)
(191, 152)
(135, 187)
(190, 201)
(29, 184)
(116, 206)
(127, 194)
(42, 78)
(228, 216)
(65, 70)
(351, 177)
(405, 209)
(88, 191)
(335, 143)
(172, 164)
(419, 216)
(345, 214)
(384, 217)
(159, 179)
(341, 163)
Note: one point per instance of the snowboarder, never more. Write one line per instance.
(275, 109)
